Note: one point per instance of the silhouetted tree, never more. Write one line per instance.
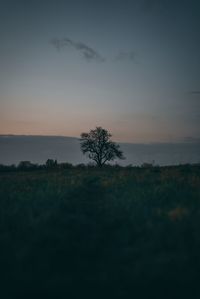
(50, 163)
(25, 165)
(99, 147)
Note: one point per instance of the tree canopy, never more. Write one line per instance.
(99, 147)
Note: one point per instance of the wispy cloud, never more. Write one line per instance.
(123, 56)
(86, 51)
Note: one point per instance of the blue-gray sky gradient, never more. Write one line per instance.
(132, 67)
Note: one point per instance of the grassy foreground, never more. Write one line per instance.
(100, 233)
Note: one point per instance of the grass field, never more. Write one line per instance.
(114, 232)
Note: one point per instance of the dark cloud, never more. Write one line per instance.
(87, 52)
(131, 55)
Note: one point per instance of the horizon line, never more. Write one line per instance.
(124, 142)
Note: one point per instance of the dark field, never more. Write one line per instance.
(114, 232)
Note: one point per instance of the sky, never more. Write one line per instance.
(132, 67)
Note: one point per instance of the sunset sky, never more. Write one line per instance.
(132, 67)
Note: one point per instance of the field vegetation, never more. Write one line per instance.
(89, 232)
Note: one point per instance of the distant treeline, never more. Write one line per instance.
(54, 165)
(27, 165)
